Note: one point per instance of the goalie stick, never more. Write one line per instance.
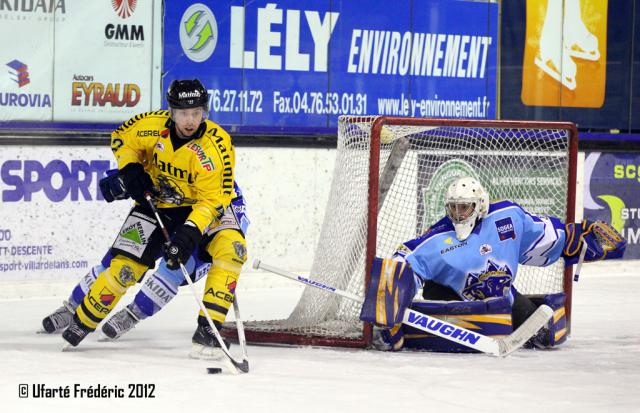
(239, 365)
(501, 346)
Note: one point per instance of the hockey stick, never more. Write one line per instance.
(243, 365)
(501, 346)
(576, 276)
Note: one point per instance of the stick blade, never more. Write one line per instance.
(535, 322)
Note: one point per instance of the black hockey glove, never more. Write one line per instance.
(136, 181)
(181, 247)
(112, 187)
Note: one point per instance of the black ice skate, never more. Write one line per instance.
(121, 322)
(205, 343)
(76, 332)
(58, 320)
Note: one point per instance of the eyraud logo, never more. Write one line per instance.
(58, 180)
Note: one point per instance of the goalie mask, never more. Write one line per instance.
(466, 201)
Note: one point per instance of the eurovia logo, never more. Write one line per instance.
(198, 32)
(19, 73)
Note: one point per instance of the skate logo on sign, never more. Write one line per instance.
(198, 32)
(19, 74)
(505, 229)
(565, 51)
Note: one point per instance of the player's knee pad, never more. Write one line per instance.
(228, 252)
(490, 317)
(555, 332)
(82, 288)
(159, 288)
(390, 291)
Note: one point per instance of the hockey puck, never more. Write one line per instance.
(214, 370)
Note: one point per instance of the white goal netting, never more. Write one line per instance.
(417, 161)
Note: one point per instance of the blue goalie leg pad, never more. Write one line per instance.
(556, 331)
(491, 318)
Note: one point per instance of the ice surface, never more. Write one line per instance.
(597, 370)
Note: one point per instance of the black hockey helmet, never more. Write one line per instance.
(183, 94)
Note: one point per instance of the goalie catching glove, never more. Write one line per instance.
(602, 241)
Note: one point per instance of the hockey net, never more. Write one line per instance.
(388, 187)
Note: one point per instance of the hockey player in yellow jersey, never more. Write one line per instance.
(186, 162)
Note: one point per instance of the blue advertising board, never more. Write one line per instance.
(299, 65)
(612, 194)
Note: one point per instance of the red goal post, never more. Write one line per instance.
(388, 186)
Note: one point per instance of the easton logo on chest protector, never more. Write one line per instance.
(505, 229)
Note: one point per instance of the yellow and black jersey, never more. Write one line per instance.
(199, 173)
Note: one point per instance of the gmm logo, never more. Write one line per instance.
(124, 8)
(198, 32)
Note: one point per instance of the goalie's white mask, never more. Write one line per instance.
(466, 201)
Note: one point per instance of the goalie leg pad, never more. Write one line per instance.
(602, 240)
(390, 291)
(491, 318)
(555, 333)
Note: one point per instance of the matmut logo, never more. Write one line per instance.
(124, 8)
(19, 72)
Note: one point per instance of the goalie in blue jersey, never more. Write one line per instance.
(468, 262)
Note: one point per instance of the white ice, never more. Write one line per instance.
(597, 370)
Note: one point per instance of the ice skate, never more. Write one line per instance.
(578, 40)
(120, 323)
(76, 332)
(59, 320)
(554, 59)
(206, 345)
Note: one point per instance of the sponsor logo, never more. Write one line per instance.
(124, 8)
(134, 233)
(19, 73)
(485, 249)
(227, 172)
(90, 93)
(205, 161)
(453, 248)
(158, 290)
(448, 241)
(144, 133)
(241, 251)
(106, 296)
(198, 32)
(99, 307)
(126, 276)
(167, 167)
(231, 284)
(505, 229)
(315, 283)
(59, 180)
(492, 281)
(433, 324)
(433, 194)
(220, 294)
(33, 6)
(131, 35)
(187, 95)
